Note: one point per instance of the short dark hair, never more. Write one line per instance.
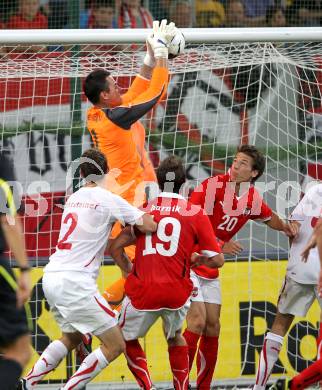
(172, 183)
(256, 155)
(93, 165)
(95, 83)
(103, 3)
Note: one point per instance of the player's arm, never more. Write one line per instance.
(210, 252)
(12, 230)
(116, 249)
(128, 214)
(276, 223)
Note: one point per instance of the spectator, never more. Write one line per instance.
(235, 14)
(181, 13)
(159, 8)
(275, 16)
(28, 16)
(101, 15)
(57, 14)
(305, 13)
(209, 13)
(132, 15)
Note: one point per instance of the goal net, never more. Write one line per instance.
(220, 95)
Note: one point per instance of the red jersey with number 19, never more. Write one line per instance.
(161, 274)
(227, 212)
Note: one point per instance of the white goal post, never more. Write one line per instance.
(253, 85)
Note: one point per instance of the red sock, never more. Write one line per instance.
(136, 361)
(179, 362)
(307, 377)
(192, 341)
(206, 361)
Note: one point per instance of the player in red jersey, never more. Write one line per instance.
(230, 200)
(159, 284)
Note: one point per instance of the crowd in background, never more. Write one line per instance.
(19, 14)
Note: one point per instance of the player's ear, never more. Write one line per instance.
(254, 173)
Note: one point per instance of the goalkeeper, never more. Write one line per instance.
(114, 118)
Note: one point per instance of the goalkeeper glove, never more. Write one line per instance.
(163, 33)
(149, 59)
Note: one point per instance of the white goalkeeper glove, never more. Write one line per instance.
(163, 33)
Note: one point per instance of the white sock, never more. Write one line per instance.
(48, 361)
(269, 355)
(92, 365)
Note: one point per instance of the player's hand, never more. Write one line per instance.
(162, 35)
(291, 229)
(24, 288)
(197, 259)
(232, 248)
(311, 244)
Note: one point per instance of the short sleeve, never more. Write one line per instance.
(309, 205)
(207, 242)
(265, 213)
(125, 212)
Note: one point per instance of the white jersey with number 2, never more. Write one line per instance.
(86, 223)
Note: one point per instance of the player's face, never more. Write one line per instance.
(242, 169)
(112, 98)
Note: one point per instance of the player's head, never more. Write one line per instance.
(93, 165)
(171, 174)
(103, 13)
(248, 164)
(101, 89)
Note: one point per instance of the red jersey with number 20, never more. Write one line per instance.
(161, 274)
(227, 212)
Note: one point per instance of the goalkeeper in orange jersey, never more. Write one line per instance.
(114, 118)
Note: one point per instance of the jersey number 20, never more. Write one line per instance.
(172, 239)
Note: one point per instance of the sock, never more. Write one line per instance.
(88, 370)
(48, 361)
(206, 361)
(136, 361)
(179, 362)
(114, 294)
(307, 377)
(10, 372)
(269, 355)
(192, 341)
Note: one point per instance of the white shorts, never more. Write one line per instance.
(136, 323)
(76, 303)
(205, 290)
(297, 298)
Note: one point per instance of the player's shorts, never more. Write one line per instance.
(136, 323)
(205, 290)
(76, 303)
(13, 321)
(297, 298)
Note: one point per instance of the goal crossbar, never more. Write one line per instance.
(192, 35)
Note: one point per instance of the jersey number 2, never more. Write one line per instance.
(173, 238)
(62, 244)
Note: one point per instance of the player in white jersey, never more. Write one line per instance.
(299, 289)
(69, 280)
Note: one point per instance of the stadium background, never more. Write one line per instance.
(29, 107)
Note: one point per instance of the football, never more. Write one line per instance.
(177, 45)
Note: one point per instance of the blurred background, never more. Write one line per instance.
(17, 14)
